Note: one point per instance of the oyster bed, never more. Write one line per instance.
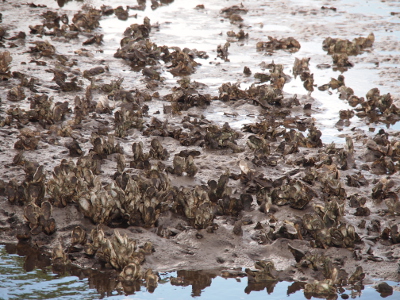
(177, 135)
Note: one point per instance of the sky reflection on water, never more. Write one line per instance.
(20, 281)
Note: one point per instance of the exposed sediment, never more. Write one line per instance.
(128, 171)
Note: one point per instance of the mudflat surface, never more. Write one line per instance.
(273, 153)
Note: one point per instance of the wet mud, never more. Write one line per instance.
(191, 136)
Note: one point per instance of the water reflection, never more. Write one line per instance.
(260, 286)
(26, 273)
(199, 280)
(294, 287)
(33, 259)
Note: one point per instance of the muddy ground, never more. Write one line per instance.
(285, 161)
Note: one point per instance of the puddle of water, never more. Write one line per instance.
(31, 277)
(370, 7)
(366, 7)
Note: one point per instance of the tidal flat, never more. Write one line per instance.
(252, 139)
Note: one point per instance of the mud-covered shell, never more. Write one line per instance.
(265, 271)
(78, 236)
(16, 93)
(88, 20)
(313, 222)
(296, 194)
(259, 144)
(358, 275)
(219, 138)
(289, 44)
(301, 65)
(157, 150)
(5, 60)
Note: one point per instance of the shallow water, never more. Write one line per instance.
(32, 277)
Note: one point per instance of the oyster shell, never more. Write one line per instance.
(5, 60)
(296, 194)
(355, 47)
(43, 48)
(301, 65)
(103, 147)
(181, 63)
(229, 91)
(78, 236)
(16, 94)
(32, 189)
(258, 144)
(265, 271)
(130, 273)
(100, 205)
(28, 140)
(67, 183)
(218, 138)
(119, 252)
(58, 256)
(126, 119)
(358, 275)
(157, 151)
(196, 206)
(289, 44)
(87, 21)
(183, 164)
(222, 51)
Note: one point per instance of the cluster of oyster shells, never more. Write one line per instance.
(32, 189)
(334, 276)
(186, 96)
(355, 47)
(265, 271)
(183, 164)
(119, 251)
(69, 180)
(39, 218)
(81, 22)
(288, 44)
(340, 49)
